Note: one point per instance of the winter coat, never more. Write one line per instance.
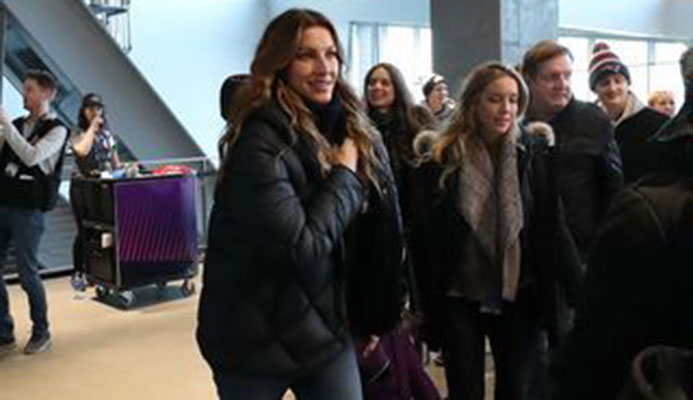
(674, 147)
(637, 288)
(547, 257)
(399, 144)
(632, 135)
(589, 168)
(273, 300)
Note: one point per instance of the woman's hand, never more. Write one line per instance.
(347, 154)
(96, 124)
(371, 346)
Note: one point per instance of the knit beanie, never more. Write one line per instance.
(431, 84)
(605, 62)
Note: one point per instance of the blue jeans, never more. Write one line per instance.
(338, 380)
(24, 228)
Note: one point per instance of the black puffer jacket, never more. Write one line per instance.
(273, 298)
(589, 167)
(548, 255)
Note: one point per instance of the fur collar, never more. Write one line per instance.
(541, 130)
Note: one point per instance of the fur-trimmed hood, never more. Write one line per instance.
(541, 130)
(537, 129)
(423, 143)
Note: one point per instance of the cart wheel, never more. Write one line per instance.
(187, 288)
(101, 292)
(125, 299)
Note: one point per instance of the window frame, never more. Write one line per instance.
(377, 37)
(594, 35)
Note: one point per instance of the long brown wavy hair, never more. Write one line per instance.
(411, 118)
(463, 137)
(275, 52)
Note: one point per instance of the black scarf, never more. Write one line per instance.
(330, 119)
(387, 124)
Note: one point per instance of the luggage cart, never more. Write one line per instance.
(138, 232)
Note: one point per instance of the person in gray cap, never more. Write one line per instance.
(437, 97)
(95, 150)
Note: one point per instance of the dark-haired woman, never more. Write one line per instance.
(488, 219)
(391, 107)
(95, 152)
(303, 170)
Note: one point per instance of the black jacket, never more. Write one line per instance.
(546, 255)
(273, 302)
(632, 136)
(589, 167)
(637, 291)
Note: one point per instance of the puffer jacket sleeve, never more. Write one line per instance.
(300, 232)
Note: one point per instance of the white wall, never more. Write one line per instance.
(648, 17)
(409, 12)
(186, 49)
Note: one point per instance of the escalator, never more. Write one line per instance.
(63, 37)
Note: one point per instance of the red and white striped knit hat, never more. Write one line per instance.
(605, 62)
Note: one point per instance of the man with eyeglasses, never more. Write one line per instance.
(588, 161)
(587, 169)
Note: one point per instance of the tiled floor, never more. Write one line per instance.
(106, 353)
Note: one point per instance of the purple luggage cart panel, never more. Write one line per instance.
(156, 220)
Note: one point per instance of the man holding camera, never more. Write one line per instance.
(31, 157)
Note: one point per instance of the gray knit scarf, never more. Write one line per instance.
(490, 202)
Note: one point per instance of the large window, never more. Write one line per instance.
(407, 47)
(653, 63)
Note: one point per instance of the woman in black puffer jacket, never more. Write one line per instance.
(305, 191)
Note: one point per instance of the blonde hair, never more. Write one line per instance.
(274, 54)
(659, 95)
(463, 134)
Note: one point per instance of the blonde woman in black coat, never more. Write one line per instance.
(487, 229)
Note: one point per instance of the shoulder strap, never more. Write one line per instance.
(41, 128)
(53, 123)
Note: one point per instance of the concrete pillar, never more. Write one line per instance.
(469, 32)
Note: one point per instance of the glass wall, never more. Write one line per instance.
(653, 63)
(407, 47)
